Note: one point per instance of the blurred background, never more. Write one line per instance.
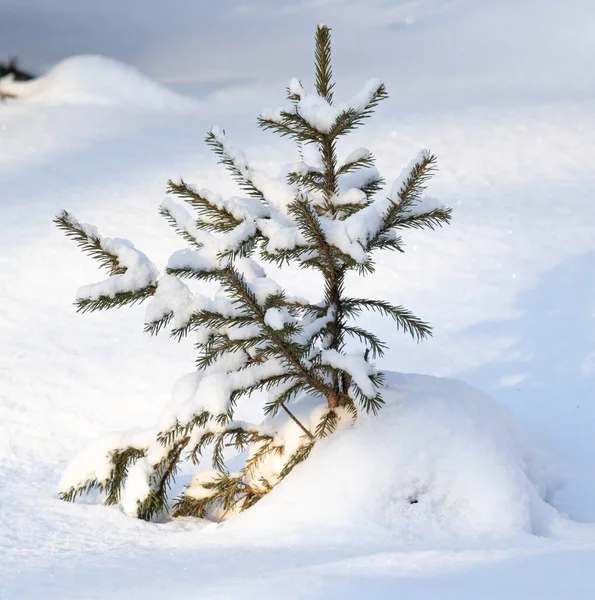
(431, 52)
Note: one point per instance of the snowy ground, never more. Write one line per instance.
(506, 103)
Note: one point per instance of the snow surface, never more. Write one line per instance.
(502, 93)
(96, 80)
(444, 460)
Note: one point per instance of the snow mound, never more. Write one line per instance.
(442, 458)
(96, 80)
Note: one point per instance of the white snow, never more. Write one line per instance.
(357, 155)
(97, 80)
(350, 196)
(507, 111)
(457, 454)
(277, 317)
(317, 111)
(172, 296)
(398, 185)
(140, 272)
(296, 88)
(137, 487)
(355, 365)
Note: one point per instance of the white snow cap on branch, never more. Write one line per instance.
(356, 366)
(259, 283)
(322, 116)
(357, 155)
(350, 196)
(296, 88)
(352, 234)
(358, 179)
(281, 236)
(317, 111)
(172, 297)
(140, 271)
(215, 389)
(275, 191)
(398, 185)
(213, 245)
(277, 318)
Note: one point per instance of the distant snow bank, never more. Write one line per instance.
(96, 80)
(442, 458)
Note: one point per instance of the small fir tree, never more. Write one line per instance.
(328, 217)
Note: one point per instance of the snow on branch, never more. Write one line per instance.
(276, 192)
(250, 335)
(317, 111)
(132, 274)
(353, 234)
(358, 368)
(139, 274)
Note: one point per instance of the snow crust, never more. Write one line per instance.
(90, 79)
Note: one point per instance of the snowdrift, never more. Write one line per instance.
(96, 80)
(441, 459)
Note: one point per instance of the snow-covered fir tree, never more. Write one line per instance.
(329, 216)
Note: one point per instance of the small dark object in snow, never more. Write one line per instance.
(11, 68)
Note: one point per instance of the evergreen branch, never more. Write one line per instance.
(351, 118)
(386, 241)
(72, 493)
(289, 352)
(154, 327)
(327, 425)
(409, 193)
(309, 224)
(412, 188)
(404, 318)
(163, 475)
(168, 436)
(253, 461)
(283, 256)
(272, 406)
(90, 242)
(84, 305)
(375, 345)
(228, 161)
(205, 439)
(213, 352)
(322, 60)
(189, 273)
(292, 125)
(211, 217)
(300, 455)
(215, 320)
(372, 186)
(121, 459)
(349, 167)
(429, 220)
(312, 181)
(184, 233)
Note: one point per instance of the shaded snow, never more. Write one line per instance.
(508, 287)
(96, 80)
(442, 459)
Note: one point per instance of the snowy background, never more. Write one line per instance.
(502, 92)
